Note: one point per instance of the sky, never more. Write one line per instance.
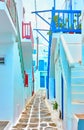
(40, 5)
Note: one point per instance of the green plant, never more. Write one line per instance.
(59, 21)
(49, 32)
(79, 26)
(55, 18)
(71, 27)
(55, 105)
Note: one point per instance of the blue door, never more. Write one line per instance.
(42, 81)
(54, 89)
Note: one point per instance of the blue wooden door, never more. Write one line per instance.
(42, 81)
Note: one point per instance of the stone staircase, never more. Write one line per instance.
(77, 86)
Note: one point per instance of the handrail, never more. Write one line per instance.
(68, 55)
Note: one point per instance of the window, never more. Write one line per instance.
(2, 60)
(34, 51)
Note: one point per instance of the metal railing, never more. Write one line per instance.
(27, 31)
(66, 21)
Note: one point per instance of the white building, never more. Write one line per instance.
(15, 58)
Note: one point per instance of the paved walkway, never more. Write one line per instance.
(36, 115)
(3, 124)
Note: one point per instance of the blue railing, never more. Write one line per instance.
(66, 21)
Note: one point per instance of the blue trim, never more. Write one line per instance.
(66, 26)
(62, 98)
(41, 29)
(54, 3)
(42, 11)
(36, 12)
(71, 14)
(41, 35)
(54, 89)
(68, 11)
(43, 19)
(49, 48)
(70, 4)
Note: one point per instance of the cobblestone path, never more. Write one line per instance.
(36, 116)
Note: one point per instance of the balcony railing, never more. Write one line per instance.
(12, 9)
(27, 31)
(66, 21)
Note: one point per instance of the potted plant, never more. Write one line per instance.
(55, 105)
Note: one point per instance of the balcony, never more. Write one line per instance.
(8, 19)
(27, 31)
(66, 21)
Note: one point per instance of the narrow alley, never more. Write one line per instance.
(41, 65)
(36, 115)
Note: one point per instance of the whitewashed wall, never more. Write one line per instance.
(6, 82)
(18, 85)
(37, 81)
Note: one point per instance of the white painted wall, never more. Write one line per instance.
(76, 51)
(57, 82)
(75, 47)
(13, 95)
(76, 5)
(19, 5)
(37, 81)
(18, 85)
(6, 82)
(12, 91)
